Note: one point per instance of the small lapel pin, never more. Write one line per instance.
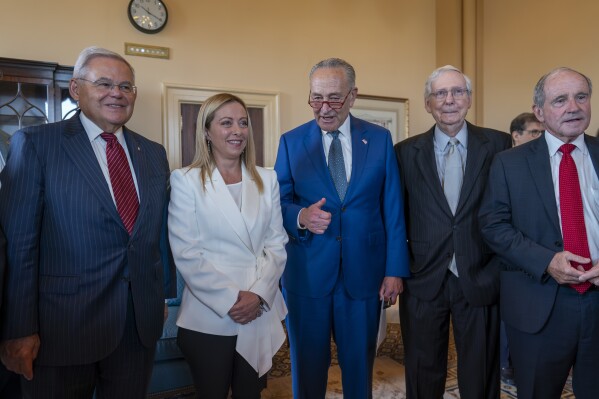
(364, 141)
(138, 149)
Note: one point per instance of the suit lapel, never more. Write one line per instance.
(223, 201)
(139, 161)
(359, 139)
(315, 153)
(477, 155)
(593, 146)
(540, 169)
(77, 147)
(427, 165)
(250, 205)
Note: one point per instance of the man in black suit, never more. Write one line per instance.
(82, 204)
(539, 210)
(453, 272)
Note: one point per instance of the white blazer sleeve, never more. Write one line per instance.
(271, 263)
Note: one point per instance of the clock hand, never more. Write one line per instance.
(149, 12)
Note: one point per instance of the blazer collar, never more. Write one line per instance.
(240, 221)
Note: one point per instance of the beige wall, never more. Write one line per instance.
(525, 39)
(271, 45)
(264, 45)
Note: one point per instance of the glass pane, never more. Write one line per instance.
(22, 104)
(67, 104)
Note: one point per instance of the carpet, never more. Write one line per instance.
(388, 381)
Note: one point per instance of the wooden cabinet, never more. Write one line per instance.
(32, 93)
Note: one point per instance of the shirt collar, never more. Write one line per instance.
(441, 139)
(554, 143)
(93, 131)
(344, 129)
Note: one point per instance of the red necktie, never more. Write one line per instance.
(570, 204)
(121, 179)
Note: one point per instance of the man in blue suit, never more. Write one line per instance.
(84, 293)
(341, 204)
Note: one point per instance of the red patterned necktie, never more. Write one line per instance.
(121, 179)
(570, 204)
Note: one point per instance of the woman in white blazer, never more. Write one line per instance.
(227, 238)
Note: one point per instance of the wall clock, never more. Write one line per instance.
(148, 16)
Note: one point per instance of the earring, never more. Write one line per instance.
(209, 145)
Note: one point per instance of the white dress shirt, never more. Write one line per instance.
(99, 146)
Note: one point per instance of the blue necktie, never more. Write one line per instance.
(337, 165)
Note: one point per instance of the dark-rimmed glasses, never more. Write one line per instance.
(317, 104)
(105, 86)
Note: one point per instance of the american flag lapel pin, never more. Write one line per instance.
(364, 141)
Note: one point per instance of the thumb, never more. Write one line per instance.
(320, 203)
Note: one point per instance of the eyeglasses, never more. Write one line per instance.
(534, 132)
(456, 92)
(317, 104)
(106, 86)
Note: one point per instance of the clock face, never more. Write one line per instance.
(148, 16)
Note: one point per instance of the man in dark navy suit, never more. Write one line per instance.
(82, 205)
(540, 215)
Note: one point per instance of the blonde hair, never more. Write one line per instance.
(204, 159)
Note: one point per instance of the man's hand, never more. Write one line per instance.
(591, 275)
(18, 354)
(246, 309)
(562, 271)
(314, 218)
(390, 289)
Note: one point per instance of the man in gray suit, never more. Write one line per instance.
(540, 214)
(453, 272)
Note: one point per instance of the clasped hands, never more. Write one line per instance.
(561, 270)
(246, 309)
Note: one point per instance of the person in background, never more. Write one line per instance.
(82, 204)
(539, 214)
(454, 275)
(347, 251)
(524, 128)
(228, 243)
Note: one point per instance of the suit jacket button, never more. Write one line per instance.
(343, 209)
(339, 238)
(558, 244)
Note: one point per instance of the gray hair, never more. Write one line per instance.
(350, 73)
(89, 53)
(538, 97)
(428, 86)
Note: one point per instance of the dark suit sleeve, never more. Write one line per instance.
(397, 245)
(2, 263)
(21, 204)
(289, 209)
(497, 227)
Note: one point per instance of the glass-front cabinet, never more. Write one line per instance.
(32, 93)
